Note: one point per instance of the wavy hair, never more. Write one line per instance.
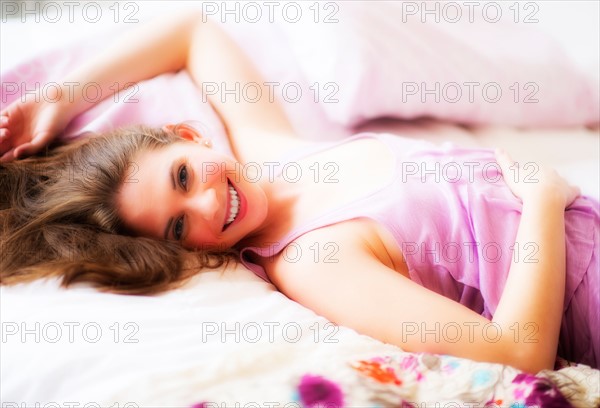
(58, 218)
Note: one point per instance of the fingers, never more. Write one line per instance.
(4, 131)
(8, 156)
(22, 151)
(500, 154)
(6, 113)
(504, 160)
(29, 148)
(503, 155)
(4, 140)
(19, 152)
(26, 149)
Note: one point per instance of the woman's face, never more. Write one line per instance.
(182, 193)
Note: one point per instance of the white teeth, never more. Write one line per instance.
(234, 207)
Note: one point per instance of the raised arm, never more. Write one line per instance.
(160, 46)
(183, 40)
(144, 52)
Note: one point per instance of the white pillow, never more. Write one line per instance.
(384, 58)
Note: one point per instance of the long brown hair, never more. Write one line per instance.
(58, 217)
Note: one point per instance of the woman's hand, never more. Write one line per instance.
(26, 126)
(543, 183)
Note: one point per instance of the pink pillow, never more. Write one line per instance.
(385, 61)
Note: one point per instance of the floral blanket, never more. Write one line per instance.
(407, 380)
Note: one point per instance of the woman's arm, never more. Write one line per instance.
(191, 41)
(184, 40)
(533, 296)
(32, 122)
(257, 125)
(144, 52)
(360, 292)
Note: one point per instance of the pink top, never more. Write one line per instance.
(455, 220)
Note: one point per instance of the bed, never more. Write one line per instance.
(227, 338)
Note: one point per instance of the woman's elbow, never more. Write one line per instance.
(531, 360)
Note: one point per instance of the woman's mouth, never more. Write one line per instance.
(236, 205)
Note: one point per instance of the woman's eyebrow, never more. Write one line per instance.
(172, 177)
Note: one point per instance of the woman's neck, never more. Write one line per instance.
(282, 197)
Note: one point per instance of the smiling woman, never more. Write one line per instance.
(371, 229)
(61, 218)
(190, 193)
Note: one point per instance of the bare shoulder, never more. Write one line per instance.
(337, 244)
(336, 272)
(310, 262)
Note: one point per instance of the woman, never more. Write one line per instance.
(460, 259)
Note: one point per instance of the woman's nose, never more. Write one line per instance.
(205, 203)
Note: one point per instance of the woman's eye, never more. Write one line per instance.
(178, 229)
(183, 176)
